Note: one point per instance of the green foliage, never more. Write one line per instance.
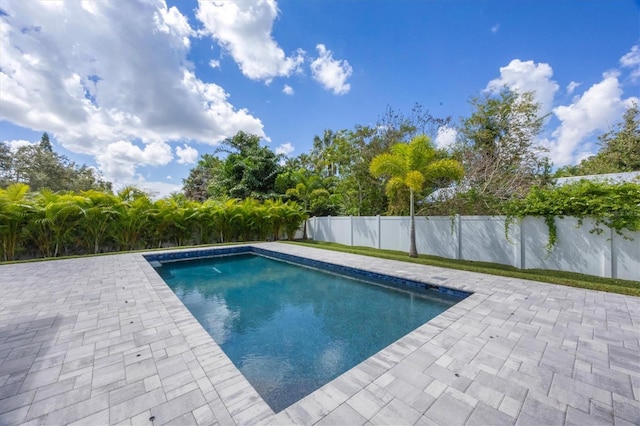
(497, 146)
(248, 171)
(14, 211)
(40, 167)
(48, 224)
(615, 205)
(619, 152)
(414, 166)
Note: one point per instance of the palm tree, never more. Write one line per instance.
(13, 216)
(100, 213)
(294, 216)
(276, 211)
(307, 187)
(415, 165)
(60, 214)
(135, 211)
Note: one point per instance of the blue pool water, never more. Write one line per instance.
(291, 329)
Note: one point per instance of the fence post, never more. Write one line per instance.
(523, 248)
(459, 235)
(614, 255)
(351, 230)
(379, 233)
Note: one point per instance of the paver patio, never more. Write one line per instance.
(103, 340)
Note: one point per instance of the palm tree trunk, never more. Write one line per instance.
(413, 252)
(306, 211)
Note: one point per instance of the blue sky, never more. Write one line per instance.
(140, 89)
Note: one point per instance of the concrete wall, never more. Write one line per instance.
(482, 238)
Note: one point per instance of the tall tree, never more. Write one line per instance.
(248, 171)
(45, 143)
(497, 145)
(620, 148)
(414, 166)
(40, 167)
(6, 165)
(203, 178)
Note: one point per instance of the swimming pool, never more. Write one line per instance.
(290, 329)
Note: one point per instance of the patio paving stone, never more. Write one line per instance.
(103, 340)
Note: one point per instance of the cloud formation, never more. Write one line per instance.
(244, 30)
(595, 111)
(632, 60)
(572, 86)
(114, 73)
(287, 90)
(525, 76)
(285, 148)
(332, 74)
(446, 137)
(119, 159)
(589, 114)
(16, 144)
(186, 155)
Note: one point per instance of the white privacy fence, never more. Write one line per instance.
(483, 238)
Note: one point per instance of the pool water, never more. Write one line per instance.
(291, 329)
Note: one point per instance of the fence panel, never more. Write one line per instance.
(394, 233)
(626, 255)
(437, 236)
(365, 231)
(482, 238)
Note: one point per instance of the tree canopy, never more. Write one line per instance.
(619, 149)
(497, 145)
(248, 171)
(39, 166)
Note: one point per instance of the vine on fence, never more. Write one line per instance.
(616, 205)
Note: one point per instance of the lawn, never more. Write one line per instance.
(572, 279)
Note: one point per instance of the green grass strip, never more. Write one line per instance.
(571, 279)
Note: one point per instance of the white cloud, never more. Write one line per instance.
(119, 159)
(171, 21)
(572, 86)
(112, 74)
(525, 76)
(330, 73)
(495, 28)
(285, 148)
(597, 110)
(15, 144)
(214, 63)
(244, 30)
(446, 137)
(287, 90)
(632, 60)
(186, 155)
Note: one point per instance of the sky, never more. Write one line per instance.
(140, 89)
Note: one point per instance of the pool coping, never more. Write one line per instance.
(514, 351)
(251, 408)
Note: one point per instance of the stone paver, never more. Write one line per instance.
(104, 341)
